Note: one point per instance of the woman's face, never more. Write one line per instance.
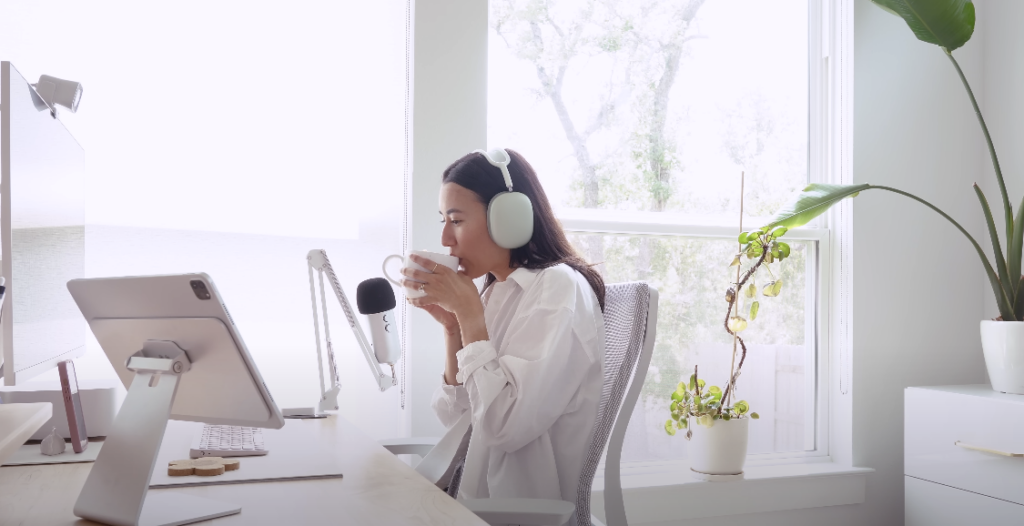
(465, 232)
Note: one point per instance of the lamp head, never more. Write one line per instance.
(53, 90)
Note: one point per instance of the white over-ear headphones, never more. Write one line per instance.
(509, 214)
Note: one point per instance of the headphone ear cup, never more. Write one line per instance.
(510, 219)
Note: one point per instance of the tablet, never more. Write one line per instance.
(223, 385)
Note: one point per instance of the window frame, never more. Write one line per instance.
(819, 133)
(588, 222)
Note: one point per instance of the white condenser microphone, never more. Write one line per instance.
(376, 299)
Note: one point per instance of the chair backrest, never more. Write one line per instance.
(630, 316)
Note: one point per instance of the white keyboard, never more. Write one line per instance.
(228, 441)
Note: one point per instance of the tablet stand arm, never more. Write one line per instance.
(116, 491)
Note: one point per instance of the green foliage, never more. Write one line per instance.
(688, 272)
(813, 201)
(816, 199)
(691, 399)
(948, 24)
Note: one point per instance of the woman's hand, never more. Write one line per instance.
(445, 289)
(445, 318)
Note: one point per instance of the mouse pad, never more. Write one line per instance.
(294, 453)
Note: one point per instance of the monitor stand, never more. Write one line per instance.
(116, 491)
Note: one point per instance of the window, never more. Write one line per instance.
(232, 138)
(639, 117)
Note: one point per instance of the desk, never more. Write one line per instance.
(377, 488)
(18, 422)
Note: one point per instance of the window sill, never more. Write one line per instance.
(671, 494)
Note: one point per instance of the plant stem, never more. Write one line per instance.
(743, 346)
(1004, 303)
(732, 366)
(991, 150)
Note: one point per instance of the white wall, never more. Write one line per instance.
(917, 282)
(1002, 84)
(449, 121)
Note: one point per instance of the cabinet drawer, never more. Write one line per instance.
(936, 420)
(931, 504)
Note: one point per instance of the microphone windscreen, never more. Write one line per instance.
(375, 295)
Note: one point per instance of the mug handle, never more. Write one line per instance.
(384, 268)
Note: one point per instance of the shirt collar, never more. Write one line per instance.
(524, 277)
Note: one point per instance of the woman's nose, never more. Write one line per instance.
(447, 237)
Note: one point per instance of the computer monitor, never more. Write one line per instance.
(175, 347)
(42, 232)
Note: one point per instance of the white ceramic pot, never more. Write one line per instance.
(719, 450)
(1003, 345)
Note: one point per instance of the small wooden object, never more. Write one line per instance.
(203, 467)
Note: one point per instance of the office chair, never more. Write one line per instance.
(630, 318)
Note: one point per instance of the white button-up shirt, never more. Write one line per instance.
(533, 389)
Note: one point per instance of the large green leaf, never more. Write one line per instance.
(997, 249)
(1016, 248)
(1003, 300)
(946, 23)
(1018, 308)
(813, 201)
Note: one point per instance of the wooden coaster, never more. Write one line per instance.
(179, 468)
(203, 467)
(208, 467)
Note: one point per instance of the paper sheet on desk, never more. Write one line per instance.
(300, 450)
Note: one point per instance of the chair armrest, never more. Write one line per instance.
(410, 446)
(536, 512)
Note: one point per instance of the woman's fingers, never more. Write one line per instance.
(418, 275)
(432, 266)
(410, 284)
(422, 301)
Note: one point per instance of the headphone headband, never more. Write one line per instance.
(500, 158)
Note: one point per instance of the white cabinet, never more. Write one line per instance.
(963, 452)
(931, 504)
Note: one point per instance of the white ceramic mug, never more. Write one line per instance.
(451, 262)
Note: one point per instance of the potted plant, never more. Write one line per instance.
(949, 24)
(717, 427)
(717, 431)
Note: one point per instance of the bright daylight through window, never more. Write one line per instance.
(231, 138)
(646, 112)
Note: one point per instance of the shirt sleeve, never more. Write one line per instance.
(517, 397)
(449, 402)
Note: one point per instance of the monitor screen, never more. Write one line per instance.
(42, 232)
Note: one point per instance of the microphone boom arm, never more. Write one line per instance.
(317, 260)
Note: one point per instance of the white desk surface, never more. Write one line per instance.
(17, 423)
(377, 488)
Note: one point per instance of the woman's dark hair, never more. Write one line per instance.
(548, 246)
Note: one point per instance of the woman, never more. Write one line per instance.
(525, 356)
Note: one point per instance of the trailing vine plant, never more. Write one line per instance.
(691, 399)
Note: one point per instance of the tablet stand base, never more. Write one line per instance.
(164, 508)
(116, 491)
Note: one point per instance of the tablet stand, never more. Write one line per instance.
(116, 490)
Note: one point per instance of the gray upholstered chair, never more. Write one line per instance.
(630, 317)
